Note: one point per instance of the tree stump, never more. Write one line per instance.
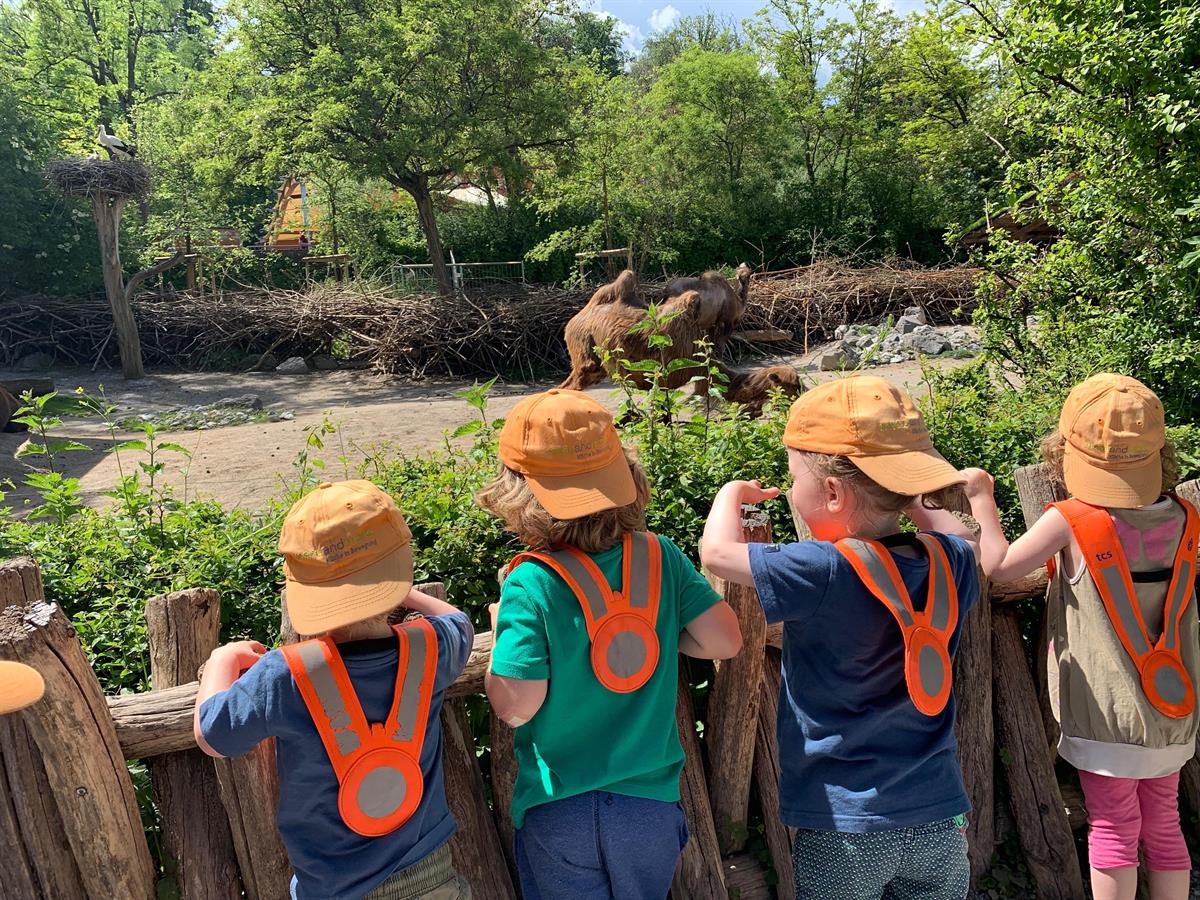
(699, 875)
(183, 629)
(733, 704)
(69, 818)
(766, 776)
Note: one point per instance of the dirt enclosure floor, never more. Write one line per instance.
(244, 465)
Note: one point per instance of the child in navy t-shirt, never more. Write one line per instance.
(869, 769)
(348, 562)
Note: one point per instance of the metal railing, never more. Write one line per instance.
(463, 276)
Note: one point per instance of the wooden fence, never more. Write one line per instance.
(70, 819)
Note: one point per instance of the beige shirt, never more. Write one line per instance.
(1108, 725)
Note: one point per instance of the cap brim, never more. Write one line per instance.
(911, 473)
(1126, 488)
(371, 591)
(20, 686)
(573, 496)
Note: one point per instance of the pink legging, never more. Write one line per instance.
(1124, 811)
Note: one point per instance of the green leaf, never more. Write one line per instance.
(127, 445)
(467, 428)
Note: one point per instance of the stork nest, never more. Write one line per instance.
(82, 177)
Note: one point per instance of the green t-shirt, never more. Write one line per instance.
(585, 737)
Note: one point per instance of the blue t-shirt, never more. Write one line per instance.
(330, 861)
(855, 754)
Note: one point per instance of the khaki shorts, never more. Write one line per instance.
(433, 878)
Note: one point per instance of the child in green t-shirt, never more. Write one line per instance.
(585, 663)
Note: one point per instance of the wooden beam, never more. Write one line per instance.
(699, 875)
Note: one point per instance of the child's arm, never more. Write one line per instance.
(714, 634)
(983, 505)
(1047, 536)
(514, 700)
(723, 548)
(224, 667)
(421, 602)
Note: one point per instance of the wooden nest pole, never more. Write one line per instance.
(110, 184)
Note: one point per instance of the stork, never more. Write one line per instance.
(113, 144)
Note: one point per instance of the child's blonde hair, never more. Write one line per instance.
(871, 495)
(1054, 443)
(508, 498)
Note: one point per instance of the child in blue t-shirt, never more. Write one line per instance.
(362, 814)
(869, 771)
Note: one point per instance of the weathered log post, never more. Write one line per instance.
(766, 776)
(475, 847)
(250, 791)
(504, 779)
(1189, 779)
(69, 820)
(183, 628)
(700, 875)
(974, 722)
(1042, 825)
(733, 703)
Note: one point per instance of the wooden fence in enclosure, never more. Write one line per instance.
(71, 826)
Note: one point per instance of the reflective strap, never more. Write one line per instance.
(415, 678)
(880, 576)
(1101, 548)
(582, 576)
(641, 580)
(1183, 579)
(324, 684)
(941, 604)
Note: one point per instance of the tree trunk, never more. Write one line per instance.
(733, 706)
(183, 629)
(108, 227)
(419, 189)
(766, 777)
(69, 820)
(699, 875)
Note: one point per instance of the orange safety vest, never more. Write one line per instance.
(927, 668)
(378, 765)
(1165, 680)
(620, 625)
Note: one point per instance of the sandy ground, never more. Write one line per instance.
(244, 464)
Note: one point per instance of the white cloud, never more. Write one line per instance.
(632, 36)
(662, 19)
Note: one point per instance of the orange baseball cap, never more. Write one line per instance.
(1114, 430)
(877, 426)
(20, 686)
(566, 446)
(347, 556)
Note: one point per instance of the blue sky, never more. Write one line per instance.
(641, 19)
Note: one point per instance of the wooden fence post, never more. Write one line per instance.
(700, 875)
(733, 703)
(974, 721)
(766, 776)
(475, 847)
(183, 629)
(250, 791)
(1042, 825)
(504, 779)
(1189, 780)
(71, 827)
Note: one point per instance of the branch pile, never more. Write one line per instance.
(82, 177)
(418, 335)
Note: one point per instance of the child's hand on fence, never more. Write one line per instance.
(979, 483)
(240, 655)
(752, 491)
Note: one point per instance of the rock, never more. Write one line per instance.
(323, 363)
(906, 323)
(922, 329)
(33, 362)
(840, 331)
(840, 356)
(262, 362)
(897, 359)
(245, 401)
(293, 366)
(916, 313)
(930, 344)
(908, 341)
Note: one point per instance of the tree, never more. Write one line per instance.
(591, 38)
(413, 93)
(707, 31)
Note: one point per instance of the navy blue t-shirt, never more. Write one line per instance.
(330, 861)
(854, 753)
